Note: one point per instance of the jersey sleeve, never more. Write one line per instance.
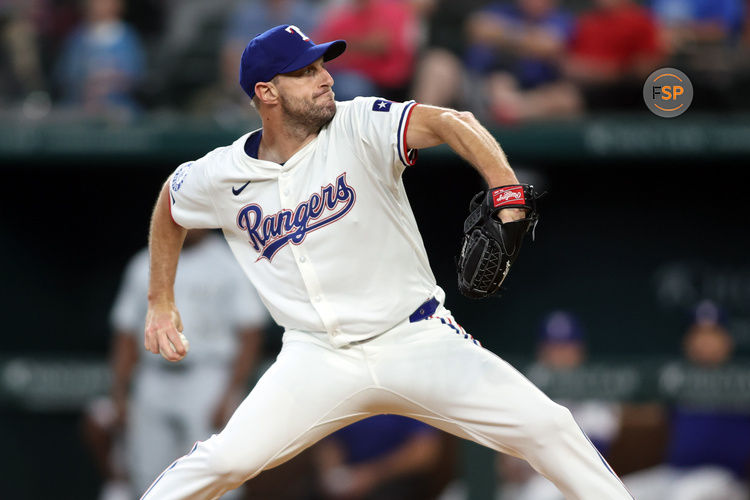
(190, 191)
(128, 312)
(381, 127)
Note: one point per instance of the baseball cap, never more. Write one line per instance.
(708, 312)
(560, 326)
(282, 49)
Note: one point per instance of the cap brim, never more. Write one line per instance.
(328, 51)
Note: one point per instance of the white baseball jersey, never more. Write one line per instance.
(328, 238)
(211, 293)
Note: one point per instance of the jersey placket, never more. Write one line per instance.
(305, 264)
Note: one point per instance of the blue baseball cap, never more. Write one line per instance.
(708, 312)
(560, 327)
(282, 49)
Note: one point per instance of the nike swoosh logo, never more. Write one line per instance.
(238, 191)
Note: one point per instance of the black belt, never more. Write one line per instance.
(424, 311)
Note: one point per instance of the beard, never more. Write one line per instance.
(308, 114)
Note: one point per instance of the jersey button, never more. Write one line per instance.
(286, 192)
(302, 259)
(317, 298)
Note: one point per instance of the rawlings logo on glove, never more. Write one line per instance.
(507, 195)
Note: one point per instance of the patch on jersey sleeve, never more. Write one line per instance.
(381, 105)
(179, 175)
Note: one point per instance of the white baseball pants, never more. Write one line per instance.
(430, 370)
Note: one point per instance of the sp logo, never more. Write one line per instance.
(668, 92)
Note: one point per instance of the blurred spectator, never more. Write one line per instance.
(696, 21)
(382, 42)
(225, 100)
(445, 24)
(385, 457)
(165, 407)
(561, 348)
(615, 46)
(101, 63)
(20, 55)
(701, 38)
(512, 63)
(251, 17)
(520, 47)
(103, 436)
(708, 456)
(184, 58)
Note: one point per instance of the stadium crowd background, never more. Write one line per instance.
(644, 220)
(507, 61)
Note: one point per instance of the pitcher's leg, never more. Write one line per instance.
(466, 390)
(308, 393)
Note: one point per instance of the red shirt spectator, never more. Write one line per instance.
(381, 40)
(615, 40)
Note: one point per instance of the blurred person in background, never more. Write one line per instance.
(20, 54)
(101, 429)
(708, 456)
(382, 39)
(225, 100)
(385, 457)
(561, 348)
(614, 47)
(101, 63)
(164, 408)
(519, 48)
(686, 22)
(184, 56)
(511, 66)
(702, 39)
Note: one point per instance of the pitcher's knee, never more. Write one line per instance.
(552, 421)
(230, 467)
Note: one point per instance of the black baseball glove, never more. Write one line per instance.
(489, 245)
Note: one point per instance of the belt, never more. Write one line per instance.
(424, 311)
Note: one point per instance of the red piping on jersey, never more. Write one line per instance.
(409, 160)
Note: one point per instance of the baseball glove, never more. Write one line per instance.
(489, 245)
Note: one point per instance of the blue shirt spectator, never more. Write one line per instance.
(709, 449)
(384, 457)
(516, 25)
(376, 436)
(727, 13)
(711, 438)
(101, 62)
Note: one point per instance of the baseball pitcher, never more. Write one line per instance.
(314, 209)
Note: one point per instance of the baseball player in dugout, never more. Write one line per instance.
(314, 209)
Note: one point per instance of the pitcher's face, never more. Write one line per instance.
(306, 95)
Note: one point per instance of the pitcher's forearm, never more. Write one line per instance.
(467, 137)
(164, 242)
(431, 125)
